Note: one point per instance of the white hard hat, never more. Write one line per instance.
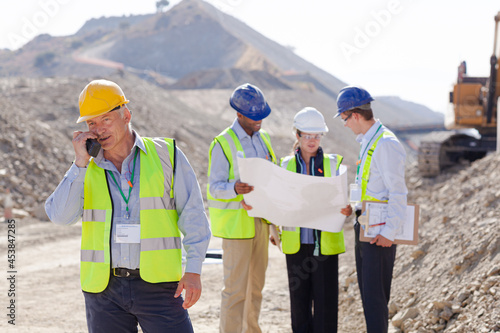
(310, 120)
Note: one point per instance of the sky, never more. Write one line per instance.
(405, 48)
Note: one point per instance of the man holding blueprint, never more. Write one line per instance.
(244, 239)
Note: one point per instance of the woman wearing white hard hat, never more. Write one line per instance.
(306, 247)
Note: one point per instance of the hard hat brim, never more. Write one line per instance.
(314, 129)
(262, 114)
(266, 112)
(98, 113)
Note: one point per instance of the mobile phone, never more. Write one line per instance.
(93, 147)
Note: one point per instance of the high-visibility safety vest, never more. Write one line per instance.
(330, 242)
(228, 218)
(160, 256)
(366, 167)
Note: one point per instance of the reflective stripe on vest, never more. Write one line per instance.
(160, 256)
(331, 242)
(366, 167)
(228, 218)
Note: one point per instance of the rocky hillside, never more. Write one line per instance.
(450, 282)
(191, 46)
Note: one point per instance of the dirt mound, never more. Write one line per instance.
(34, 152)
(450, 282)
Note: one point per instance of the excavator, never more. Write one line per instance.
(471, 125)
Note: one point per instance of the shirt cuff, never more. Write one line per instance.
(75, 173)
(194, 266)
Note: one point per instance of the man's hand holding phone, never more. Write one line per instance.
(82, 155)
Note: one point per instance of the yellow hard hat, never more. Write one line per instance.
(99, 97)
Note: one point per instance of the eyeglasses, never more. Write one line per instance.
(347, 118)
(311, 136)
(117, 108)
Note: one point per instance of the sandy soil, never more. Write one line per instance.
(49, 299)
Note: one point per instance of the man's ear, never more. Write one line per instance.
(127, 114)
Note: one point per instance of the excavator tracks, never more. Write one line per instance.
(432, 154)
(441, 149)
(428, 159)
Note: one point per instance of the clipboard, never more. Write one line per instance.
(373, 216)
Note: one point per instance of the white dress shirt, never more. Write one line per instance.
(387, 176)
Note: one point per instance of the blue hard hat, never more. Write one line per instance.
(248, 100)
(351, 97)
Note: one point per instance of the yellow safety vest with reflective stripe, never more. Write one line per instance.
(228, 218)
(160, 256)
(331, 242)
(366, 167)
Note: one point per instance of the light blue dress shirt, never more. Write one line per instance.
(387, 176)
(65, 207)
(253, 146)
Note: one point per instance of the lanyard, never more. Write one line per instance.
(130, 184)
(362, 155)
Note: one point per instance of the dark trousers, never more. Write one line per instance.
(128, 301)
(313, 281)
(374, 265)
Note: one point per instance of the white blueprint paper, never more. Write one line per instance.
(290, 199)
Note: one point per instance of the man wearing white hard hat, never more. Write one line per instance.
(134, 196)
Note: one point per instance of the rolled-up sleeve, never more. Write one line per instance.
(65, 205)
(193, 221)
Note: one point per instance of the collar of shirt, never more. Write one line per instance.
(240, 132)
(105, 164)
(364, 138)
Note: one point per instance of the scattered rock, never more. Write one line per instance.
(494, 271)
(417, 254)
(400, 317)
(456, 275)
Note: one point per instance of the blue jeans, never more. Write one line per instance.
(129, 301)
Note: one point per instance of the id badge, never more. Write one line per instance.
(355, 193)
(128, 233)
